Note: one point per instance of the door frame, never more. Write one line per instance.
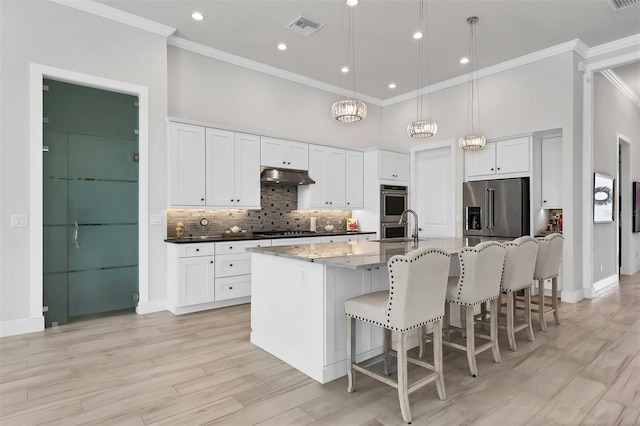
(39, 72)
(624, 208)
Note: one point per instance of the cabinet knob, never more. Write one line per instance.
(330, 202)
(348, 203)
(201, 199)
(284, 162)
(230, 247)
(230, 265)
(211, 261)
(288, 162)
(231, 200)
(197, 249)
(230, 287)
(326, 202)
(492, 169)
(237, 201)
(498, 168)
(544, 201)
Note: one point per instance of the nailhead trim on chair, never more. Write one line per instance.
(391, 297)
(457, 301)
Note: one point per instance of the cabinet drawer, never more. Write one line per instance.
(190, 250)
(233, 264)
(233, 247)
(232, 287)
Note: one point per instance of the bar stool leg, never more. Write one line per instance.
(386, 347)
(471, 335)
(554, 298)
(351, 352)
(494, 331)
(510, 319)
(437, 359)
(447, 320)
(421, 340)
(403, 385)
(527, 313)
(543, 323)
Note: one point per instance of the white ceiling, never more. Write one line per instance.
(384, 48)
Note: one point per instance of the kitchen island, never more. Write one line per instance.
(298, 294)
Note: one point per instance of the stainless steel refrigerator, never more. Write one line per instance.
(496, 208)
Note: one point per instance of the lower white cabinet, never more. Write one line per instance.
(233, 287)
(339, 238)
(193, 275)
(233, 268)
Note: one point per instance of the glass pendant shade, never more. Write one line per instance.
(349, 110)
(422, 129)
(472, 142)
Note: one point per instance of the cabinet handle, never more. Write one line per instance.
(284, 162)
(326, 202)
(201, 199)
(498, 168)
(330, 202)
(230, 265)
(288, 162)
(197, 249)
(348, 203)
(230, 287)
(492, 169)
(544, 201)
(211, 261)
(237, 201)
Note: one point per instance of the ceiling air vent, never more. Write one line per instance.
(305, 26)
(617, 5)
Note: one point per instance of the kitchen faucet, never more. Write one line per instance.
(415, 227)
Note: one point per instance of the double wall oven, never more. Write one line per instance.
(393, 201)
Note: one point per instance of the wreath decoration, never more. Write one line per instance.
(602, 196)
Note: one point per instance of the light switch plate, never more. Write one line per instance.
(19, 220)
(156, 219)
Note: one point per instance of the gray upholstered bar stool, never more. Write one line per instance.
(519, 265)
(548, 268)
(479, 282)
(417, 287)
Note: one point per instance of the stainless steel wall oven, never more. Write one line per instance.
(393, 201)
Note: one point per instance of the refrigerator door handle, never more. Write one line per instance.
(491, 210)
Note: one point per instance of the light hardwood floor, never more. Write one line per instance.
(201, 369)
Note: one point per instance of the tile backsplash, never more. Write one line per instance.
(279, 213)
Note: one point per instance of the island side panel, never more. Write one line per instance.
(287, 311)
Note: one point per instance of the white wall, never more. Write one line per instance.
(53, 35)
(614, 115)
(208, 90)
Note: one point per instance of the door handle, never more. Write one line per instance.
(76, 242)
(491, 208)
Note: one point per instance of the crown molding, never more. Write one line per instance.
(623, 43)
(118, 15)
(621, 86)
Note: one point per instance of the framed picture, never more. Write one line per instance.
(635, 216)
(603, 198)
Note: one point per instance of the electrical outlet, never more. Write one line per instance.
(156, 219)
(601, 267)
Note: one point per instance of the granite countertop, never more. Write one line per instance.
(231, 237)
(357, 254)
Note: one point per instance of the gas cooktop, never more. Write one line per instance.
(284, 233)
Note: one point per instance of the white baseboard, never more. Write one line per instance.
(152, 306)
(22, 326)
(630, 270)
(181, 310)
(572, 296)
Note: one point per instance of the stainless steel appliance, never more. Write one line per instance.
(496, 208)
(393, 201)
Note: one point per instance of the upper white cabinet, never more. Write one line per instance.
(284, 154)
(327, 168)
(551, 172)
(393, 166)
(186, 164)
(233, 169)
(354, 175)
(212, 167)
(501, 159)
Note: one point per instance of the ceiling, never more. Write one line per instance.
(385, 51)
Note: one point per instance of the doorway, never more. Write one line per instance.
(90, 201)
(625, 260)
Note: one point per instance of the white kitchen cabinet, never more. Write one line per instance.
(294, 241)
(551, 172)
(327, 168)
(339, 238)
(280, 153)
(233, 268)
(233, 169)
(186, 150)
(393, 166)
(500, 159)
(195, 275)
(354, 180)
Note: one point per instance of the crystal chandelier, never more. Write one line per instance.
(473, 140)
(422, 128)
(350, 110)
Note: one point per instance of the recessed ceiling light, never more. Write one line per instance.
(392, 85)
(282, 46)
(464, 60)
(352, 2)
(417, 35)
(345, 69)
(197, 16)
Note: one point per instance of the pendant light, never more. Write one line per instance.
(350, 110)
(422, 128)
(474, 140)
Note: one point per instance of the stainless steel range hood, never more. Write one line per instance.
(287, 176)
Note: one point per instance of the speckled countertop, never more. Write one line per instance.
(358, 254)
(231, 237)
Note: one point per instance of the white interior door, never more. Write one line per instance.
(433, 190)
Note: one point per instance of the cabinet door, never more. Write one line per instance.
(551, 177)
(220, 168)
(195, 280)
(297, 155)
(186, 165)
(318, 170)
(337, 180)
(512, 156)
(393, 166)
(232, 287)
(273, 152)
(247, 170)
(354, 177)
(481, 162)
